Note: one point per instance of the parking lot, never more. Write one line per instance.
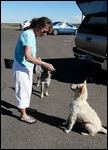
(47, 132)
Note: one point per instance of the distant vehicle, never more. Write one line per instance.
(63, 27)
(91, 38)
(25, 25)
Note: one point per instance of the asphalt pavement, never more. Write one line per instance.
(48, 132)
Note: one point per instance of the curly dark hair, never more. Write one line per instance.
(41, 23)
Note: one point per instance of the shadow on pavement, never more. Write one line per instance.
(5, 106)
(55, 121)
(51, 120)
(71, 70)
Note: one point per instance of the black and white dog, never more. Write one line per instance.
(43, 79)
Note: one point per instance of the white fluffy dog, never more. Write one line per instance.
(81, 111)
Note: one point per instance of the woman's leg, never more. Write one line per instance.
(23, 84)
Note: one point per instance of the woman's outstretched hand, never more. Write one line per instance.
(49, 66)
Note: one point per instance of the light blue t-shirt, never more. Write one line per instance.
(27, 38)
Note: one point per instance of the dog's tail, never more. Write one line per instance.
(103, 130)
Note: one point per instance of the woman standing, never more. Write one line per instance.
(24, 60)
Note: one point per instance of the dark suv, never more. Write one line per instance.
(91, 38)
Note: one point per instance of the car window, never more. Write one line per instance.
(71, 25)
(68, 25)
(25, 21)
(95, 25)
(55, 23)
(59, 24)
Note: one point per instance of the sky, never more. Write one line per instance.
(19, 11)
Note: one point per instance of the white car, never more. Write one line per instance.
(25, 25)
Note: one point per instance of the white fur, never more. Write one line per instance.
(81, 111)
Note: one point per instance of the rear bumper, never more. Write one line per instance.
(90, 58)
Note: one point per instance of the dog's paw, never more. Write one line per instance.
(92, 134)
(42, 96)
(46, 94)
(37, 85)
(66, 131)
(83, 133)
(64, 123)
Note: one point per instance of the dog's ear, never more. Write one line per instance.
(38, 69)
(82, 89)
(85, 82)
